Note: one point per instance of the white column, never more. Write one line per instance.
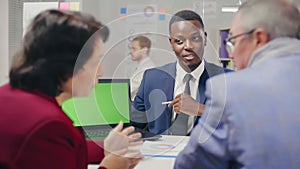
(4, 57)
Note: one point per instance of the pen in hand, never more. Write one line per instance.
(167, 102)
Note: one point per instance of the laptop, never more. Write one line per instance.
(99, 113)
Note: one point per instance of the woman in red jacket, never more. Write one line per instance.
(60, 49)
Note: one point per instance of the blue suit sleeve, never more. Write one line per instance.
(138, 110)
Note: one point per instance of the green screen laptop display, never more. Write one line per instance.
(108, 104)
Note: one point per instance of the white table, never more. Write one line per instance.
(159, 154)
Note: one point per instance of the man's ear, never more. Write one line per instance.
(170, 40)
(261, 37)
(205, 38)
(145, 50)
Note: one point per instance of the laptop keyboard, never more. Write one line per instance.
(96, 134)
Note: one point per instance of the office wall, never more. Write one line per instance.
(116, 60)
(4, 57)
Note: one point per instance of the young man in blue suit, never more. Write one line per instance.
(253, 122)
(167, 83)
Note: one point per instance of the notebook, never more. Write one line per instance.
(108, 104)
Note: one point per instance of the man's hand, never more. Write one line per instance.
(186, 104)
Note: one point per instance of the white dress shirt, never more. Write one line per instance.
(180, 85)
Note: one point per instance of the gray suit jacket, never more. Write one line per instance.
(252, 117)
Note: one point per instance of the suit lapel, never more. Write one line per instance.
(201, 87)
(209, 71)
(169, 80)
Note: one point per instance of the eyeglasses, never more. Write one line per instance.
(230, 44)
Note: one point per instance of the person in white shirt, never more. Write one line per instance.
(139, 51)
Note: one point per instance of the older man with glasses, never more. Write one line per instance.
(251, 119)
(230, 43)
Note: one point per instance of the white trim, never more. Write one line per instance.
(4, 57)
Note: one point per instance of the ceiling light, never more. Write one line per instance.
(229, 9)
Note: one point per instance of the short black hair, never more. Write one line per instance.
(51, 49)
(185, 15)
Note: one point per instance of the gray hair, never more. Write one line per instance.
(279, 18)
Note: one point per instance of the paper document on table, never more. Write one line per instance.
(167, 146)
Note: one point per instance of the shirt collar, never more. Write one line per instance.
(180, 72)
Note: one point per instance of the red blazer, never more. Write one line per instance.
(35, 133)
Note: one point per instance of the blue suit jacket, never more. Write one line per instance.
(156, 87)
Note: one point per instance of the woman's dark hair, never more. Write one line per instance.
(51, 48)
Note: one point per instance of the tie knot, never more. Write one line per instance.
(187, 77)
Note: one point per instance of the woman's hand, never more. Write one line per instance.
(118, 151)
(120, 139)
